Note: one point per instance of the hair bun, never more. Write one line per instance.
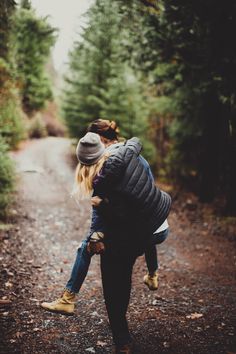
(113, 126)
(104, 127)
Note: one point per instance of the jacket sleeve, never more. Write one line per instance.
(97, 222)
(134, 145)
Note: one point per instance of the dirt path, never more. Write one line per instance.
(193, 310)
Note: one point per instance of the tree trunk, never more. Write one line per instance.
(231, 190)
(209, 160)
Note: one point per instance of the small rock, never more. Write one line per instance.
(194, 316)
(8, 284)
(166, 345)
(101, 343)
(36, 329)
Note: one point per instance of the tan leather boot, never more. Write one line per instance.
(64, 305)
(151, 280)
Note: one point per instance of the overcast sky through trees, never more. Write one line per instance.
(66, 15)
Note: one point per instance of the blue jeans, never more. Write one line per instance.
(80, 268)
(83, 258)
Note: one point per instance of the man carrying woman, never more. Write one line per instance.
(129, 218)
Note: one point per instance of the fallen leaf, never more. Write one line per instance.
(5, 303)
(19, 334)
(194, 315)
(90, 350)
(101, 343)
(36, 329)
(8, 284)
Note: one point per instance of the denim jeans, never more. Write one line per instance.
(80, 268)
(151, 251)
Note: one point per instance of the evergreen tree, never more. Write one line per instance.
(6, 9)
(90, 68)
(191, 56)
(101, 82)
(11, 128)
(34, 38)
(10, 124)
(186, 52)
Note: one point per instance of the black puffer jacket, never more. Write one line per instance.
(134, 207)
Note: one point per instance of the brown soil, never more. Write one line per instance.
(193, 310)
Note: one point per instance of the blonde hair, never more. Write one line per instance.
(84, 176)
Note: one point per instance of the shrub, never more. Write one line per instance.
(11, 116)
(54, 125)
(6, 178)
(37, 127)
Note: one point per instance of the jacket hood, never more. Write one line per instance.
(134, 144)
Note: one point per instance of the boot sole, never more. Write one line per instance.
(59, 312)
(150, 288)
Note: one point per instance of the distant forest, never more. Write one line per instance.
(164, 70)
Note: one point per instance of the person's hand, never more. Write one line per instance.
(95, 201)
(96, 247)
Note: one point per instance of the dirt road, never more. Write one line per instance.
(192, 311)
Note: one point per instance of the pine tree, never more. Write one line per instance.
(101, 82)
(11, 129)
(34, 38)
(190, 45)
(6, 9)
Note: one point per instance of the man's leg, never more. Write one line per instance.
(116, 278)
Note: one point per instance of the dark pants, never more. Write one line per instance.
(151, 251)
(116, 279)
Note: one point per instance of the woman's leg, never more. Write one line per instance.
(151, 259)
(66, 303)
(116, 279)
(79, 269)
(151, 278)
(151, 252)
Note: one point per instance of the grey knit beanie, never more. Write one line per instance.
(90, 149)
